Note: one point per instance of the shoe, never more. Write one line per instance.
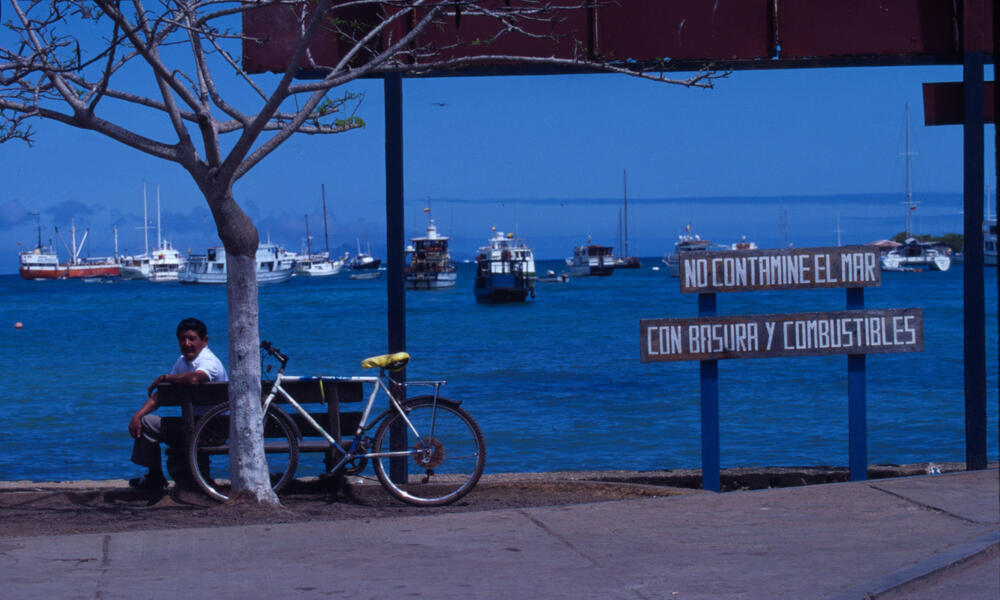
(148, 484)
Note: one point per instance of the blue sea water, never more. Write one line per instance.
(556, 383)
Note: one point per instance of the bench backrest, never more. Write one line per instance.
(312, 391)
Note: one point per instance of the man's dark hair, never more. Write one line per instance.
(192, 324)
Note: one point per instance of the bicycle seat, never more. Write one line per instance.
(389, 362)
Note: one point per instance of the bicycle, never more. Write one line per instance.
(443, 441)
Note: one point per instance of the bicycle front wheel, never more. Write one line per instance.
(443, 463)
(208, 451)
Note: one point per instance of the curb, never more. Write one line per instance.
(895, 585)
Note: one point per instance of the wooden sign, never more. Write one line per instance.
(764, 336)
(779, 269)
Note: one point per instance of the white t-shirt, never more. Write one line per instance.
(206, 362)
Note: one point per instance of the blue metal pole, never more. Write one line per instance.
(710, 470)
(857, 411)
(395, 249)
(973, 276)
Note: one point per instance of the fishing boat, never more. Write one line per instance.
(41, 262)
(505, 270)
(625, 260)
(310, 264)
(687, 242)
(430, 264)
(163, 264)
(78, 268)
(913, 255)
(274, 265)
(591, 260)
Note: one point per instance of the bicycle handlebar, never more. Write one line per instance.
(270, 349)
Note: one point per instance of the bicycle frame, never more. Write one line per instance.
(364, 425)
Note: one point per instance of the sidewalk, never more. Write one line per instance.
(906, 537)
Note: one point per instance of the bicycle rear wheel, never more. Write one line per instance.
(208, 452)
(445, 461)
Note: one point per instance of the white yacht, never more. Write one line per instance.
(915, 256)
(163, 263)
(316, 265)
(591, 260)
(274, 265)
(686, 243)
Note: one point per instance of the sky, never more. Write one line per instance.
(810, 157)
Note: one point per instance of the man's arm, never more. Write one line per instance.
(189, 378)
(152, 402)
(135, 423)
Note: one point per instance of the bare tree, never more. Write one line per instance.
(79, 63)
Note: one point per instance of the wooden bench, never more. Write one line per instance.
(321, 397)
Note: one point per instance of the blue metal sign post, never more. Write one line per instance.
(711, 478)
(857, 411)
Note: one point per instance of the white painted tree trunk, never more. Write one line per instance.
(247, 461)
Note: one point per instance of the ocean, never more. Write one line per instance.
(556, 383)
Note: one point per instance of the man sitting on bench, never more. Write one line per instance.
(196, 364)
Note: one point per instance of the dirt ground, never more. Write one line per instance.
(33, 509)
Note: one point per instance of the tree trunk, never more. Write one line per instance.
(248, 464)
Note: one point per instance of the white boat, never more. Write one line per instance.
(430, 264)
(591, 260)
(41, 262)
(310, 264)
(915, 256)
(163, 263)
(274, 265)
(505, 271)
(316, 265)
(743, 244)
(551, 277)
(686, 242)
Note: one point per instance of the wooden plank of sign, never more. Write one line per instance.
(779, 269)
(766, 336)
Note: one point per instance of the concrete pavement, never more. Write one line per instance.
(884, 538)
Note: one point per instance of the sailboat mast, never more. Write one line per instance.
(159, 242)
(625, 199)
(909, 188)
(308, 238)
(145, 219)
(326, 235)
(38, 218)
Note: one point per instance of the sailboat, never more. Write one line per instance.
(319, 264)
(913, 255)
(625, 260)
